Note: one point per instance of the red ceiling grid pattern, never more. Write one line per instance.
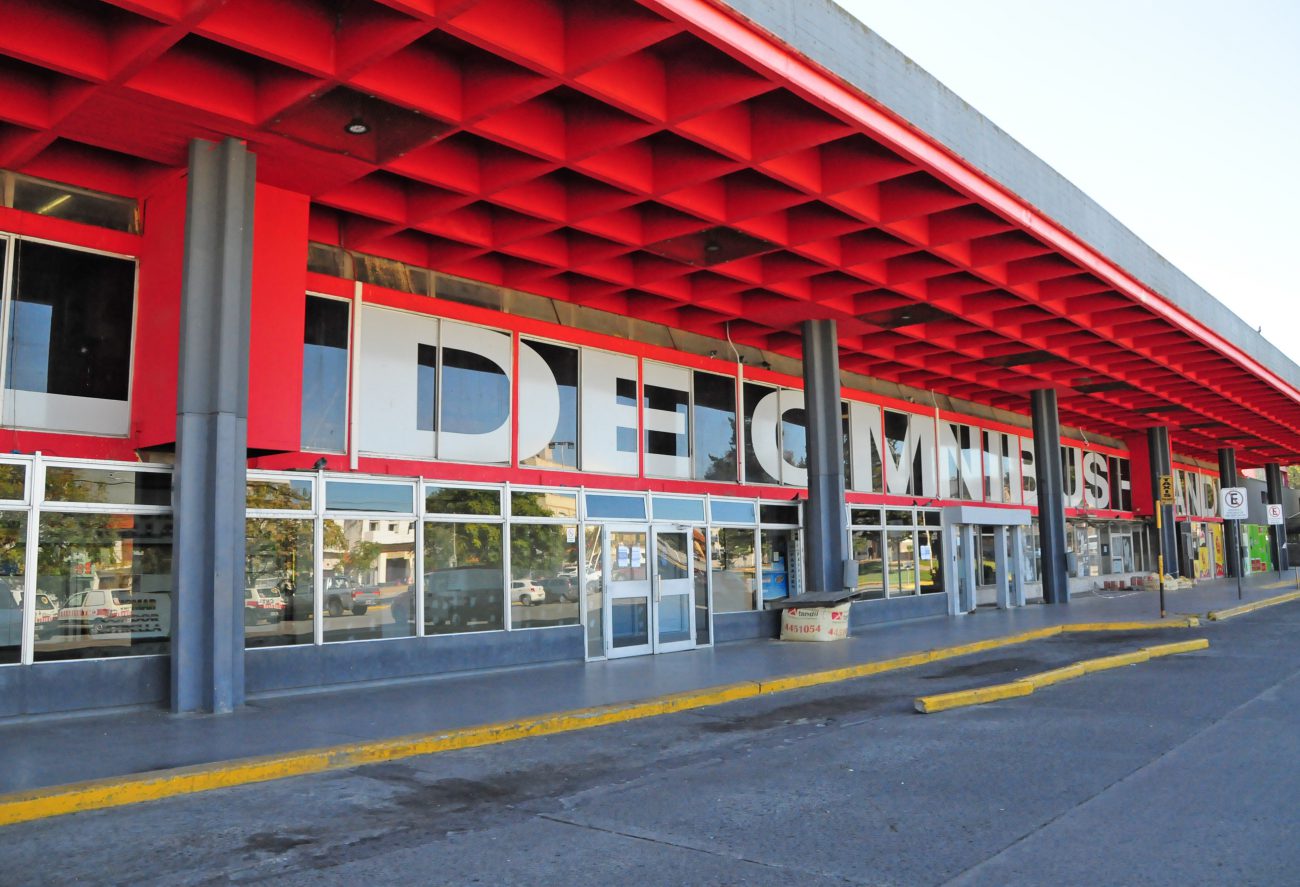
(612, 153)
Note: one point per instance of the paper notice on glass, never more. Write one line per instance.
(571, 534)
(622, 556)
(636, 555)
(925, 553)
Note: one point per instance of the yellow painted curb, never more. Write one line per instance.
(122, 790)
(1119, 660)
(1173, 622)
(961, 698)
(1179, 647)
(118, 791)
(1055, 676)
(1027, 685)
(1220, 615)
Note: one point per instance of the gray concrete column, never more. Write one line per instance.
(211, 431)
(1051, 495)
(1231, 529)
(1277, 532)
(1161, 460)
(825, 518)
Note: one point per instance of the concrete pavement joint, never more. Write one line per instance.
(119, 791)
(1028, 684)
(1220, 615)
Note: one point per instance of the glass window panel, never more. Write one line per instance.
(778, 514)
(896, 426)
(730, 511)
(561, 451)
(715, 427)
(109, 576)
(366, 587)
(776, 550)
(608, 506)
(732, 566)
(325, 375)
(13, 478)
(902, 562)
(846, 442)
(279, 567)
(13, 558)
(672, 556)
(674, 508)
(544, 504)
(629, 622)
(754, 471)
(666, 398)
(461, 500)
(294, 494)
(898, 518)
(107, 486)
(950, 460)
(866, 517)
(464, 588)
(970, 462)
(993, 466)
(869, 552)
(794, 437)
(61, 202)
(475, 391)
(929, 560)
(342, 495)
(699, 539)
(929, 518)
(593, 583)
(988, 568)
(70, 322)
(629, 557)
(545, 575)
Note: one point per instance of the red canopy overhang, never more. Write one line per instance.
(661, 159)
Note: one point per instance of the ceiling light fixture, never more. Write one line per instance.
(357, 127)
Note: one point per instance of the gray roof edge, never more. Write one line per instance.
(841, 44)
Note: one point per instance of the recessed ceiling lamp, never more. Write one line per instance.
(357, 127)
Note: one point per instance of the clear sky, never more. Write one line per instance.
(1180, 117)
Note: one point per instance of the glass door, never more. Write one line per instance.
(650, 590)
(627, 592)
(674, 589)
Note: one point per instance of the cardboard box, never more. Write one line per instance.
(815, 623)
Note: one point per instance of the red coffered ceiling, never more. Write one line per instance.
(658, 159)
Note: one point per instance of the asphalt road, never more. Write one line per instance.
(1182, 770)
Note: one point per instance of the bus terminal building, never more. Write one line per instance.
(346, 342)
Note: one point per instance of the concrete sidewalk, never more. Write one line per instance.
(57, 750)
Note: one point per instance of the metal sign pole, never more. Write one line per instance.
(1236, 528)
(1166, 496)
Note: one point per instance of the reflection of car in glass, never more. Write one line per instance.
(47, 615)
(98, 610)
(11, 616)
(342, 595)
(561, 588)
(527, 592)
(464, 597)
(262, 605)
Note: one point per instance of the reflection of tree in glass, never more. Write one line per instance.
(723, 467)
(284, 495)
(277, 549)
(357, 558)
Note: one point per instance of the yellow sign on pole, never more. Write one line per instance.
(1166, 489)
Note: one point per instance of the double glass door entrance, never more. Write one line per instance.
(649, 590)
